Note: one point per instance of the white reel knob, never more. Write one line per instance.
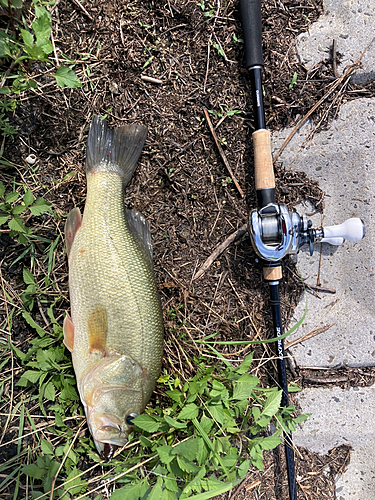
(352, 230)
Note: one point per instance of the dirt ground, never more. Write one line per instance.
(181, 184)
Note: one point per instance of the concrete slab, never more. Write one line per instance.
(342, 160)
(342, 416)
(351, 24)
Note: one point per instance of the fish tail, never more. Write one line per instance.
(114, 150)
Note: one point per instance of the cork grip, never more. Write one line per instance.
(272, 273)
(264, 175)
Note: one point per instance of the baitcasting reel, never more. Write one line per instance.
(276, 232)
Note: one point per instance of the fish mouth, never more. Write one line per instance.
(108, 451)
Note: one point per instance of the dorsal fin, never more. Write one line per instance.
(140, 229)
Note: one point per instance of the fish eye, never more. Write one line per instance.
(129, 418)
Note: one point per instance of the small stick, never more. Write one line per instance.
(222, 154)
(308, 336)
(253, 485)
(83, 9)
(149, 79)
(317, 380)
(320, 288)
(219, 250)
(334, 58)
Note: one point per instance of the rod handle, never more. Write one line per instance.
(272, 273)
(264, 174)
(251, 21)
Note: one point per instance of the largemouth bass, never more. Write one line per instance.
(115, 332)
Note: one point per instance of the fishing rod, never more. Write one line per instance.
(274, 230)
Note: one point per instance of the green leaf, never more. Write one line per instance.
(189, 412)
(3, 218)
(271, 442)
(12, 197)
(40, 207)
(187, 449)
(19, 209)
(68, 393)
(65, 77)
(165, 454)
(187, 465)
(194, 485)
(175, 423)
(28, 277)
(2, 189)
(202, 452)
(50, 392)
(31, 376)
(272, 404)
(131, 491)
(301, 418)
(147, 423)
(34, 471)
(175, 395)
(170, 483)
(292, 387)
(16, 224)
(206, 423)
(245, 365)
(74, 483)
(46, 447)
(217, 413)
(156, 491)
(27, 38)
(28, 198)
(244, 468)
(218, 489)
(168, 495)
(42, 27)
(41, 11)
(21, 355)
(256, 412)
(29, 320)
(244, 386)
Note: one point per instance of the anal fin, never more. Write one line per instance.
(68, 330)
(72, 224)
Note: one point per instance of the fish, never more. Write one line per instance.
(115, 329)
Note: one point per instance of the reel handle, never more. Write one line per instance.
(352, 230)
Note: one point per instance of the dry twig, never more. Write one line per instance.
(308, 336)
(219, 250)
(222, 154)
(78, 4)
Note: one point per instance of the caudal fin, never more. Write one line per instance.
(114, 150)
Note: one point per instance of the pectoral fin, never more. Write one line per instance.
(97, 330)
(72, 224)
(68, 330)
